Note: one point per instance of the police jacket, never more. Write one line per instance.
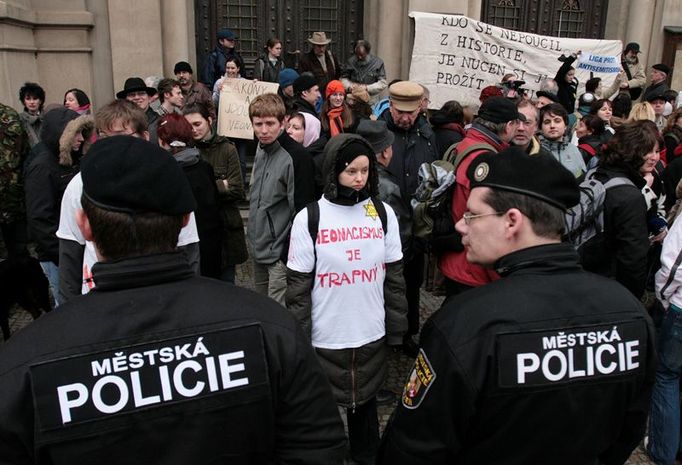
(549, 354)
(159, 366)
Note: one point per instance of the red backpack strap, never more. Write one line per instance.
(588, 148)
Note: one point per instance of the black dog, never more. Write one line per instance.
(22, 282)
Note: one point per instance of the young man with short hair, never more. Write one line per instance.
(283, 182)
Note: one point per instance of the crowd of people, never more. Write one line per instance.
(331, 237)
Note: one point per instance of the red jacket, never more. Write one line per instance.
(454, 265)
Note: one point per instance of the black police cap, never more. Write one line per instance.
(540, 176)
(130, 175)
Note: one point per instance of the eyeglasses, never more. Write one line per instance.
(468, 216)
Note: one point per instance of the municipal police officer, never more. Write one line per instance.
(157, 365)
(550, 364)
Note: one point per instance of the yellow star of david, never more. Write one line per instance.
(371, 211)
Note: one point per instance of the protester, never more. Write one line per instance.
(320, 61)
(664, 418)
(216, 60)
(358, 101)
(232, 71)
(32, 97)
(591, 133)
(256, 392)
(175, 136)
(567, 82)
(336, 116)
(78, 101)
(136, 91)
(486, 378)
(621, 251)
(672, 134)
(554, 124)
(194, 92)
(621, 107)
(14, 148)
(303, 128)
(448, 125)
(306, 94)
(525, 135)
(364, 71)
(414, 144)
(48, 170)
(642, 111)
(351, 341)
(658, 85)
(634, 77)
(268, 66)
(657, 101)
(171, 102)
(287, 77)
(273, 205)
(492, 130)
(603, 108)
(222, 155)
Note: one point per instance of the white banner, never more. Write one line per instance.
(455, 57)
(233, 110)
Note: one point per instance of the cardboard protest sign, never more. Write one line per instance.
(233, 110)
(455, 57)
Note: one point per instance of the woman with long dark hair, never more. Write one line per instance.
(620, 252)
(175, 135)
(221, 154)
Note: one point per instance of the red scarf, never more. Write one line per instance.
(335, 120)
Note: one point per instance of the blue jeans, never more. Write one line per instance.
(664, 421)
(52, 274)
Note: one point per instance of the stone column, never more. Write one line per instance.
(178, 34)
(639, 24)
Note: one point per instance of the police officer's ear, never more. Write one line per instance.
(515, 222)
(84, 224)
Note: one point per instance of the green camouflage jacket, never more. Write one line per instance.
(13, 151)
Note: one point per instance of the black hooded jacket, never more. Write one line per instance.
(47, 171)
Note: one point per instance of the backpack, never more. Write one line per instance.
(585, 220)
(313, 209)
(432, 202)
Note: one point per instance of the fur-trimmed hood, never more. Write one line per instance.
(84, 124)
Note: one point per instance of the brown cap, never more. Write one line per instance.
(405, 95)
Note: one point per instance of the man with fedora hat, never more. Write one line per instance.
(214, 67)
(320, 61)
(531, 368)
(168, 366)
(658, 85)
(135, 90)
(633, 77)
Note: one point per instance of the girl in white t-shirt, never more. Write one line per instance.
(347, 288)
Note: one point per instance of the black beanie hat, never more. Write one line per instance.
(182, 66)
(509, 170)
(304, 82)
(130, 175)
(349, 153)
(498, 110)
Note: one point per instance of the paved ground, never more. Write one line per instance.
(398, 365)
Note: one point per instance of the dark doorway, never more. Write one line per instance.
(559, 18)
(254, 21)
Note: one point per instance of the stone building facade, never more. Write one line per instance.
(96, 44)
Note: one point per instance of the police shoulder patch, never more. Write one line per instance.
(418, 383)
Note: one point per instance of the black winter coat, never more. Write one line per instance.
(211, 373)
(567, 90)
(411, 148)
(621, 252)
(515, 359)
(208, 215)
